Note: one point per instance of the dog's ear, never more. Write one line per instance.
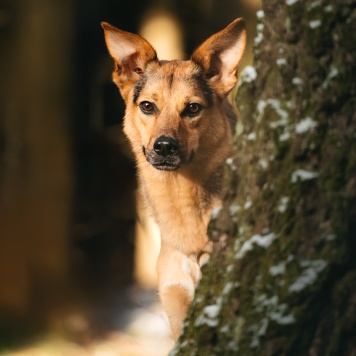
(131, 54)
(220, 55)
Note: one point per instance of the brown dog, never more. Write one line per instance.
(181, 137)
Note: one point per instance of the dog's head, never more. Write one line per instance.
(171, 105)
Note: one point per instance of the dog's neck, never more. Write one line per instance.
(186, 230)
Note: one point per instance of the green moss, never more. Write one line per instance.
(316, 224)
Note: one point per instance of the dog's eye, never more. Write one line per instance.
(147, 107)
(192, 109)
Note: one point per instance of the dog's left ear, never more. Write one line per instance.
(220, 55)
(131, 54)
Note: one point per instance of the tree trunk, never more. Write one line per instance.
(35, 178)
(282, 280)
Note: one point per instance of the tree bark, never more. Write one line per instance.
(35, 167)
(282, 279)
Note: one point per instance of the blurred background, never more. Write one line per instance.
(77, 252)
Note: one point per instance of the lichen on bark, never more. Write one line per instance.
(282, 278)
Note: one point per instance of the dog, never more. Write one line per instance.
(181, 136)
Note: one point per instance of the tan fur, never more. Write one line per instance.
(180, 196)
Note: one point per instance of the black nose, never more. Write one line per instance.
(165, 146)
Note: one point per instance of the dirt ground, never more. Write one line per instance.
(139, 328)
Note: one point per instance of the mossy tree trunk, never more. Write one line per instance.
(282, 280)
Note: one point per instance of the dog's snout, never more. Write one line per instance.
(165, 146)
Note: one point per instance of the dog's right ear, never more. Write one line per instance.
(131, 54)
(220, 55)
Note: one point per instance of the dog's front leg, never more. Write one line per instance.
(178, 276)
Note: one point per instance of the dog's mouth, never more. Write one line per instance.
(169, 163)
(167, 154)
(166, 167)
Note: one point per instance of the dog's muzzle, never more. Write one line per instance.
(165, 154)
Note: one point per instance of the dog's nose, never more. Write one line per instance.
(165, 146)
